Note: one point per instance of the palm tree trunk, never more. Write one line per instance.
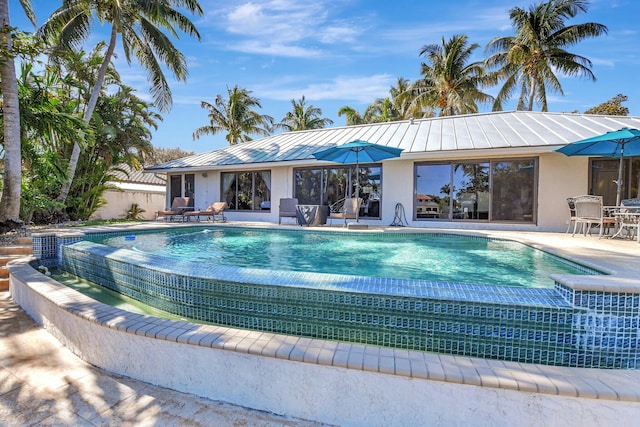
(532, 92)
(10, 202)
(91, 106)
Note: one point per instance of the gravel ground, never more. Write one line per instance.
(9, 238)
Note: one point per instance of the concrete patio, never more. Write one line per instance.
(43, 383)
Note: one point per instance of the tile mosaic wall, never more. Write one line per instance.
(558, 326)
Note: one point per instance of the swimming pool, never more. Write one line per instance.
(562, 325)
(440, 257)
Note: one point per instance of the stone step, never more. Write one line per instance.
(5, 259)
(4, 272)
(16, 250)
(24, 241)
(4, 284)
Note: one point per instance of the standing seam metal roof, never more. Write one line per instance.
(507, 129)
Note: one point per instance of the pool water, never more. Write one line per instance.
(423, 256)
(109, 297)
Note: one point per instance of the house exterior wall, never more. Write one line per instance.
(559, 177)
(207, 189)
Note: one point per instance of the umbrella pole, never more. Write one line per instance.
(357, 189)
(619, 183)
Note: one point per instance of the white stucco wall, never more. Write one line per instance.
(148, 197)
(559, 177)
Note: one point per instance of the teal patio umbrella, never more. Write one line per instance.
(614, 144)
(355, 152)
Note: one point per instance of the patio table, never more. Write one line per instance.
(627, 219)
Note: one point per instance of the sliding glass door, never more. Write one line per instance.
(500, 190)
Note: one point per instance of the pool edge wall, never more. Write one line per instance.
(323, 381)
(563, 326)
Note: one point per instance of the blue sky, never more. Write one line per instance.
(351, 52)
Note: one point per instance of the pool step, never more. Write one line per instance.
(21, 248)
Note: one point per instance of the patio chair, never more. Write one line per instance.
(178, 207)
(572, 213)
(589, 213)
(287, 209)
(628, 219)
(345, 209)
(215, 211)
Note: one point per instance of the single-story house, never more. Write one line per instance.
(494, 170)
(146, 190)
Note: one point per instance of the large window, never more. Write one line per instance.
(175, 189)
(604, 174)
(476, 190)
(189, 185)
(513, 190)
(247, 191)
(325, 186)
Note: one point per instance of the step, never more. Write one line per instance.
(5, 259)
(4, 284)
(4, 272)
(16, 250)
(24, 241)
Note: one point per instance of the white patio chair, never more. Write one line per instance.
(589, 213)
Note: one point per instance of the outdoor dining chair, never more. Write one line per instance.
(589, 213)
(572, 213)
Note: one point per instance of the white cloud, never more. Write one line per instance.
(273, 48)
(363, 89)
(605, 62)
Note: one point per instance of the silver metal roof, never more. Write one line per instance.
(130, 175)
(531, 131)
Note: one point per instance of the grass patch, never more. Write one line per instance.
(93, 222)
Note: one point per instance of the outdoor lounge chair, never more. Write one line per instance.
(178, 207)
(215, 211)
(345, 209)
(589, 212)
(287, 209)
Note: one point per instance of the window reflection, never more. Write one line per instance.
(604, 173)
(247, 190)
(497, 190)
(325, 186)
(513, 190)
(471, 191)
(433, 187)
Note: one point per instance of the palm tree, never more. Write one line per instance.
(80, 72)
(10, 202)
(402, 103)
(303, 117)
(530, 59)
(139, 25)
(398, 106)
(122, 125)
(235, 115)
(449, 82)
(49, 122)
(381, 110)
(353, 116)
